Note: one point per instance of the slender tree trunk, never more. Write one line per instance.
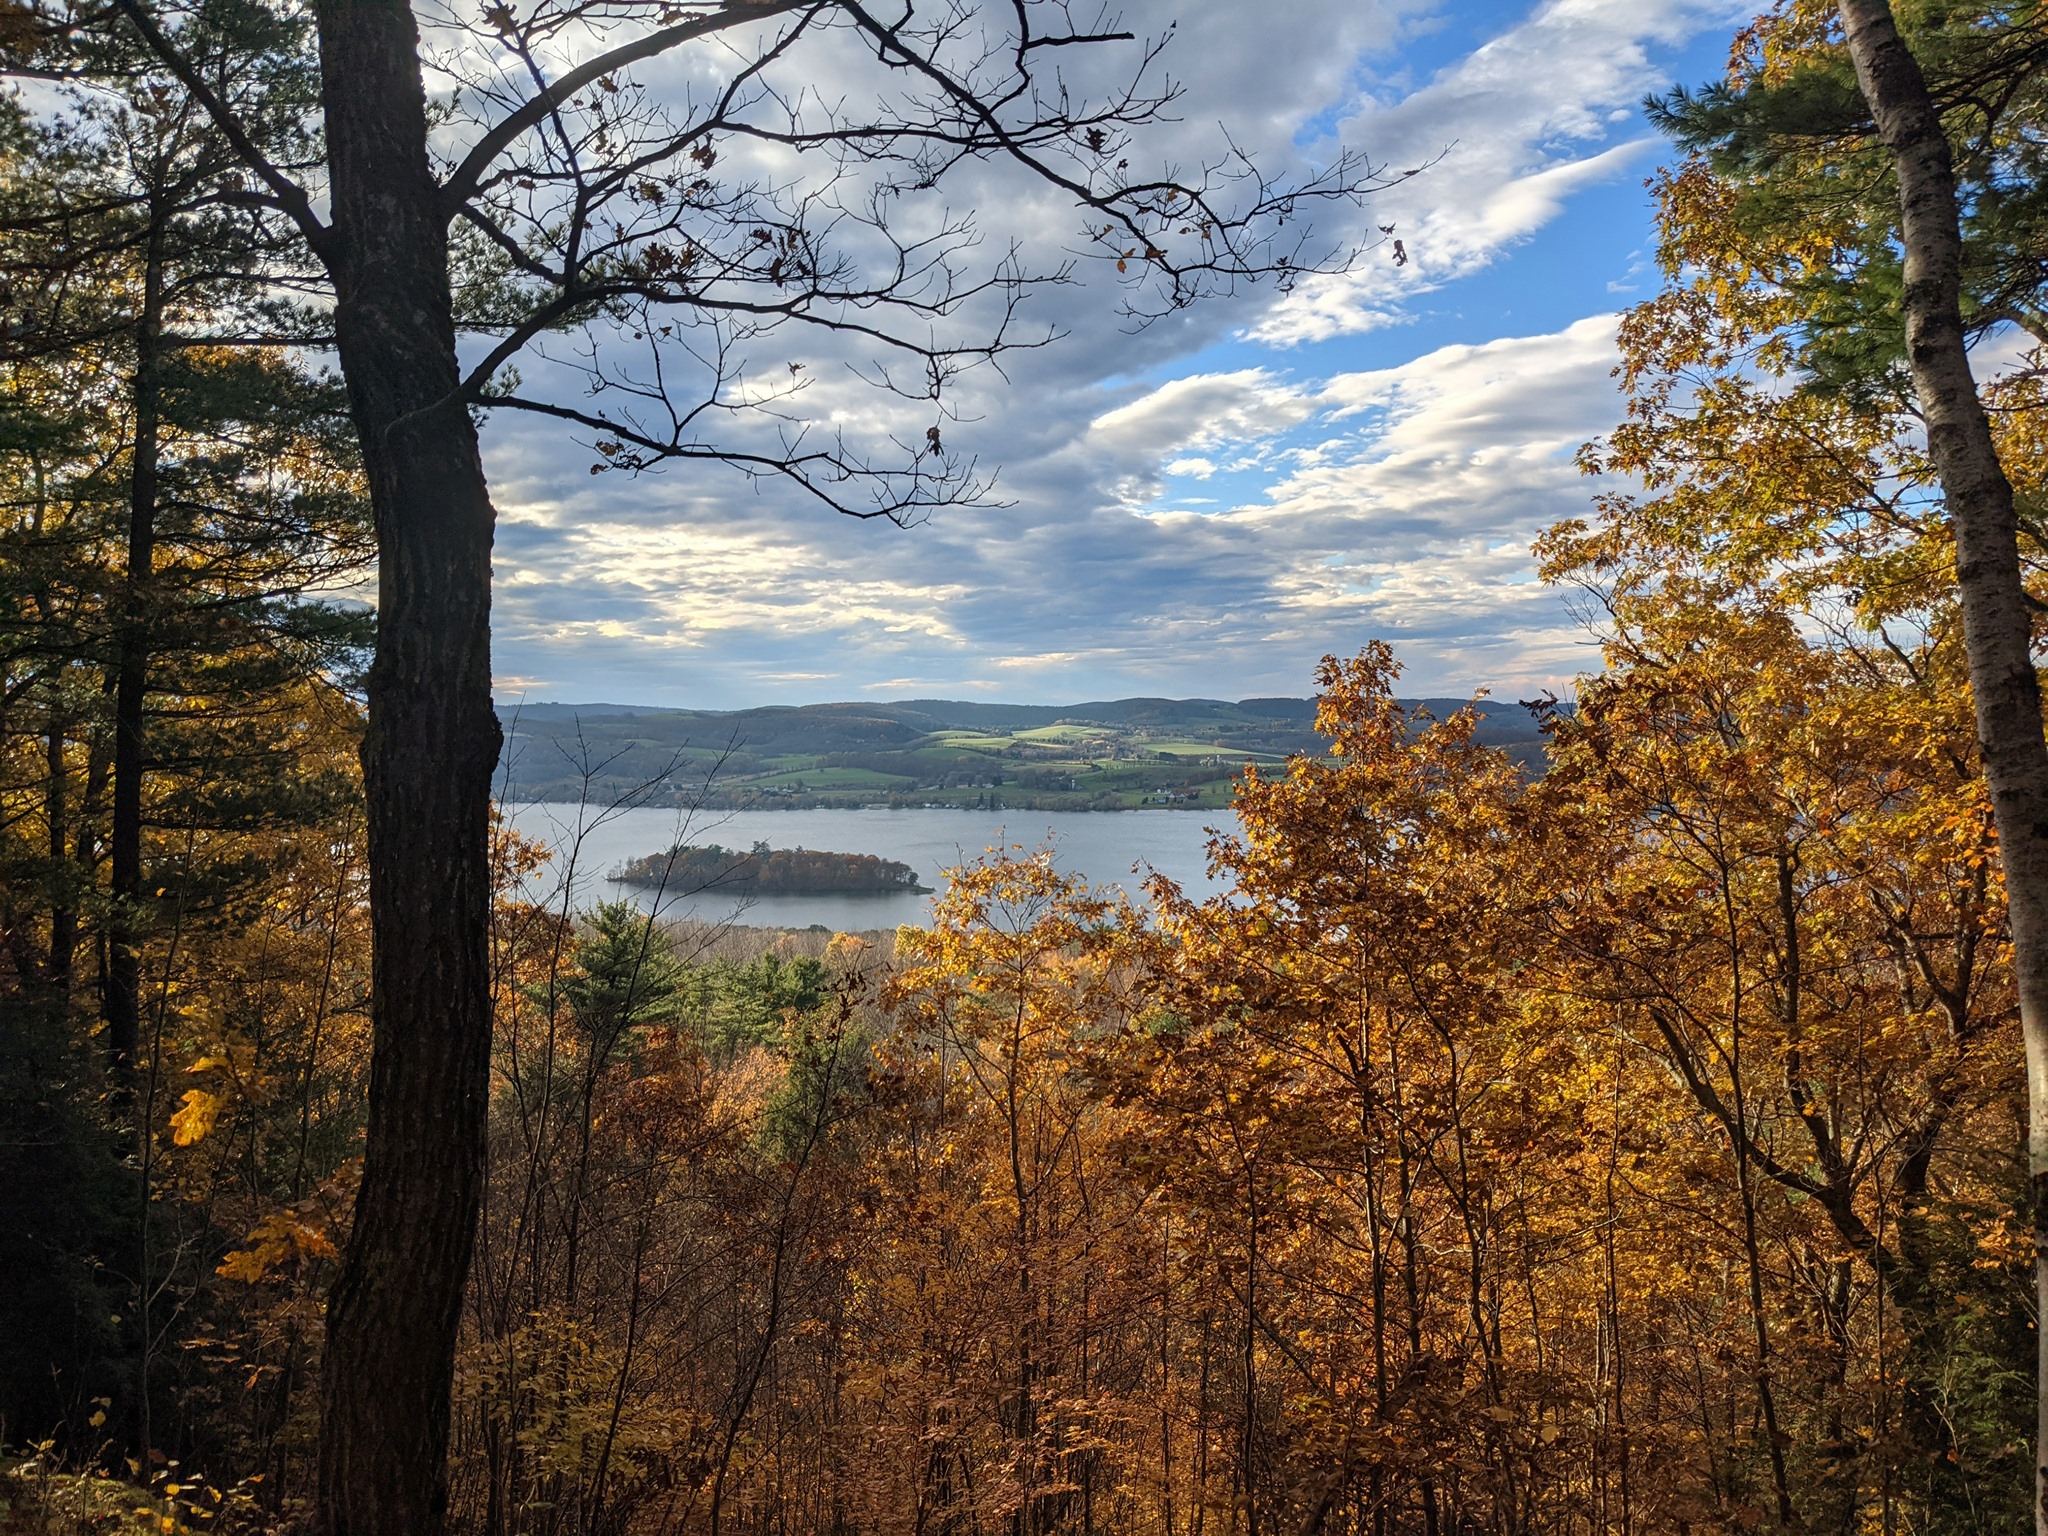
(427, 760)
(63, 904)
(1166, 1289)
(56, 797)
(1376, 1247)
(121, 1005)
(1766, 1390)
(1997, 626)
(1251, 1353)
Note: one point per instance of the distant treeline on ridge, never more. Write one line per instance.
(1123, 754)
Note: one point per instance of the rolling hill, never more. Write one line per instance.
(1114, 754)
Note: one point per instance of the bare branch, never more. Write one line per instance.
(464, 182)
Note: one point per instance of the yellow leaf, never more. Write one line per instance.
(275, 1238)
(191, 1123)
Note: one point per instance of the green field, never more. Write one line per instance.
(1129, 754)
(828, 779)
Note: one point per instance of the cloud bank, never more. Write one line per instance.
(1400, 504)
(1205, 507)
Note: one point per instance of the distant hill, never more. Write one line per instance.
(1101, 754)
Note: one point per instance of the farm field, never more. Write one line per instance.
(1127, 754)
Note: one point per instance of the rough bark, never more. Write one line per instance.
(427, 759)
(1997, 624)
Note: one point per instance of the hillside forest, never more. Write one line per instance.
(1109, 755)
(1627, 1135)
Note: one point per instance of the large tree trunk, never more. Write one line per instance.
(1997, 624)
(428, 759)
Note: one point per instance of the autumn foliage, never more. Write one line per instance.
(1633, 1148)
(1626, 1143)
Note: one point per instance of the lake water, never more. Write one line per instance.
(1102, 845)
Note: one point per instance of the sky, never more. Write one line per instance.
(1206, 506)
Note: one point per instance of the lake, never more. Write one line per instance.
(1102, 845)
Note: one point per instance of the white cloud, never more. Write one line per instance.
(1201, 411)
(1409, 517)
(1047, 659)
(2004, 352)
(1509, 133)
(1340, 500)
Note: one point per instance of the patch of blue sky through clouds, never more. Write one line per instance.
(1208, 508)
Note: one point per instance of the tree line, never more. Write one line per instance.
(1654, 1143)
(709, 868)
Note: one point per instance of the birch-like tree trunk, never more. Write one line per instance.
(1997, 619)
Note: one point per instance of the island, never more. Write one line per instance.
(765, 871)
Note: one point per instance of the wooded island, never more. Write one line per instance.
(769, 871)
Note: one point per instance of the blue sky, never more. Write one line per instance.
(1207, 507)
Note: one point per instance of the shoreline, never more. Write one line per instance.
(771, 805)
